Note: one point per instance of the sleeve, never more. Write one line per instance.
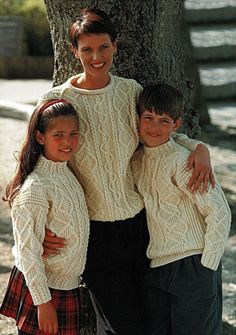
(185, 141)
(215, 209)
(137, 90)
(136, 165)
(54, 93)
(29, 215)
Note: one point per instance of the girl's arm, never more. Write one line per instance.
(47, 318)
(29, 217)
(199, 160)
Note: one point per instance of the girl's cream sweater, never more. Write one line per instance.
(51, 197)
(180, 223)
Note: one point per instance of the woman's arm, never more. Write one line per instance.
(199, 160)
(52, 243)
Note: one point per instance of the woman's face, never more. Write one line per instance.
(95, 52)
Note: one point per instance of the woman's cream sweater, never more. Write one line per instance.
(108, 138)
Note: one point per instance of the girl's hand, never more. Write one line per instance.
(199, 161)
(52, 244)
(47, 318)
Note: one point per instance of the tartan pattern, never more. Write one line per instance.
(18, 305)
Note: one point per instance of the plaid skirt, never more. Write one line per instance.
(18, 305)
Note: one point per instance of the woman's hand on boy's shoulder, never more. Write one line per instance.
(199, 160)
(52, 243)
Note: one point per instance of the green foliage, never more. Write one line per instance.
(36, 28)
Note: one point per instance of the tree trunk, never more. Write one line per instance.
(149, 50)
(149, 44)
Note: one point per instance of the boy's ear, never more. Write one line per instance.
(177, 124)
(39, 137)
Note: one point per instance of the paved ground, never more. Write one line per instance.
(23, 91)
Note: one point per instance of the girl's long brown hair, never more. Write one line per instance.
(31, 149)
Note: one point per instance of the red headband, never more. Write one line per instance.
(50, 103)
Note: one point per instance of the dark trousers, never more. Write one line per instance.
(115, 267)
(183, 298)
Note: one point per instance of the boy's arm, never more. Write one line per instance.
(215, 209)
(199, 161)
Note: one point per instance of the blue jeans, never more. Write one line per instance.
(183, 298)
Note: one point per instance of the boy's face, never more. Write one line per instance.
(155, 129)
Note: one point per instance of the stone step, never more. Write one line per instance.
(202, 11)
(219, 81)
(214, 43)
(223, 114)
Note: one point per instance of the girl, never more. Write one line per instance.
(116, 260)
(42, 294)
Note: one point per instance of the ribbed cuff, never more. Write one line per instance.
(210, 260)
(40, 294)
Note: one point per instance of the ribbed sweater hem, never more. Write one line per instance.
(159, 261)
(119, 217)
(64, 283)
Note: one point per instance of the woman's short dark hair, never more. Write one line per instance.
(91, 21)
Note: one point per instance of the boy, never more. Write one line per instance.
(188, 231)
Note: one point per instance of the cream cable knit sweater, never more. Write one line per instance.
(180, 223)
(108, 138)
(50, 197)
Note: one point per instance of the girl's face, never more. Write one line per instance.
(95, 52)
(60, 140)
(155, 129)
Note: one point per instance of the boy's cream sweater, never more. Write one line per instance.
(50, 197)
(108, 139)
(180, 223)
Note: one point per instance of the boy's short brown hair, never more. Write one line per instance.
(161, 98)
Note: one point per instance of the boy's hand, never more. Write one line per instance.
(52, 244)
(199, 161)
(47, 318)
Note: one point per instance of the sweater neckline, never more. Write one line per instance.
(90, 92)
(48, 167)
(165, 147)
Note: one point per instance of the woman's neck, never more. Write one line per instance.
(91, 83)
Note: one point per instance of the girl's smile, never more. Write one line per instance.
(60, 140)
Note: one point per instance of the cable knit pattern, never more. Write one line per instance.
(108, 139)
(180, 223)
(50, 197)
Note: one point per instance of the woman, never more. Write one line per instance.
(116, 259)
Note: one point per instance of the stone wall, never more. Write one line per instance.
(26, 67)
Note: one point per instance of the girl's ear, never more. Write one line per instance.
(177, 124)
(39, 137)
